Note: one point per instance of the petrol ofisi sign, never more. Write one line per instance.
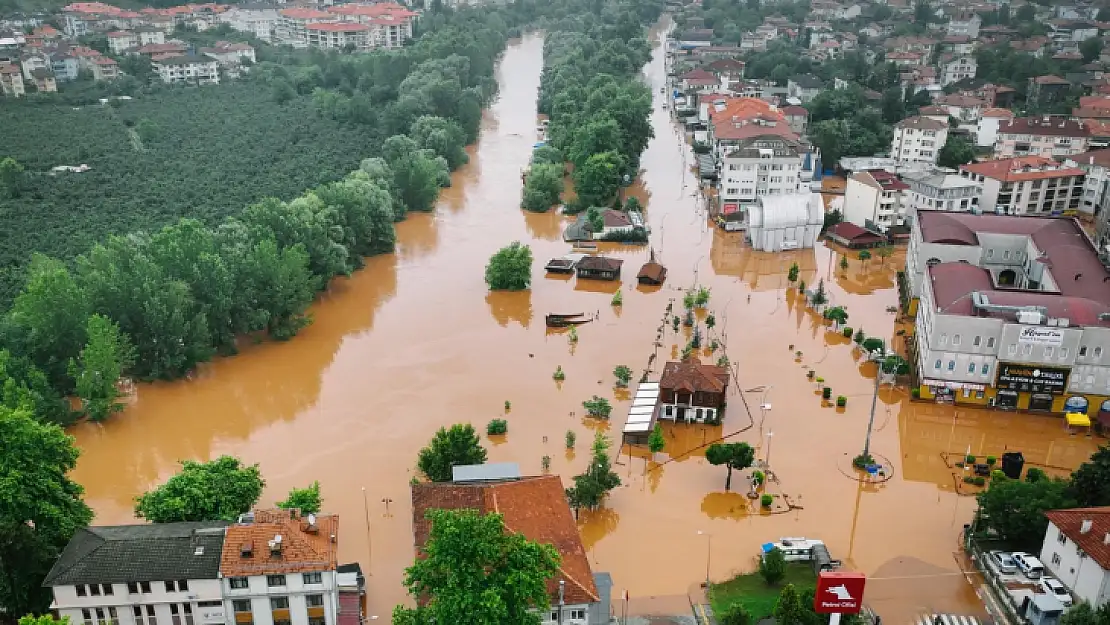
(839, 592)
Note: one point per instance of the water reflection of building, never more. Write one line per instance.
(762, 271)
(1014, 312)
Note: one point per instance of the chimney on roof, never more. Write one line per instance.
(1106, 540)
(1085, 526)
(246, 549)
(275, 546)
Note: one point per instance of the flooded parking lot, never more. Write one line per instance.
(415, 341)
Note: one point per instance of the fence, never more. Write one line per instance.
(999, 594)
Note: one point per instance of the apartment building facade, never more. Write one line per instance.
(260, 20)
(1030, 185)
(918, 140)
(141, 575)
(11, 80)
(350, 36)
(875, 199)
(1047, 136)
(188, 69)
(1012, 312)
(957, 69)
(759, 166)
(940, 190)
(280, 568)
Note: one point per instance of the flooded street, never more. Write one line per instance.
(415, 341)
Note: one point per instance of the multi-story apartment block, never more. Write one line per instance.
(292, 25)
(1048, 136)
(964, 26)
(875, 199)
(956, 69)
(65, 66)
(122, 40)
(1013, 312)
(141, 575)
(390, 23)
(188, 69)
(44, 81)
(11, 80)
(260, 20)
(81, 18)
(350, 36)
(763, 164)
(229, 54)
(940, 190)
(1096, 181)
(918, 140)
(986, 129)
(279, 568)
(1030, 185)
(32, 61)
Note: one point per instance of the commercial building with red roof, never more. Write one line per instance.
(1076, 550)
(1011, 311)
(1028, 185)
(348, 26)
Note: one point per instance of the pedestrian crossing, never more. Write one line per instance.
(946, 619)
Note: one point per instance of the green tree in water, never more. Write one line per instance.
(97, 372)
(732, 455)
(307, 500)
(510, 269)
(449, 448)
(474, 572)
(590, 487)
(219, 490)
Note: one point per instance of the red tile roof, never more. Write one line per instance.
(691, 375)
(304, 548)
(305, 14)
(795, 111)
(743, 118)
(997, 112)
(921, 123)
(1046, 126)
(1094, 541)
(534, 507)
(1021, 168)
(1050, 80)
(1094, 157)
(851, 232)
(378, 9)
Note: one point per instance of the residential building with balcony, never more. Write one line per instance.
(280, 568)
(228, 54)
(1047, 136)
(188, 69)
(391, 24)
(260, 20)
(954, 70)
(874, 199)
(763, 164)
(964, 27)
(1096, 181)
(11, 80)
(293, 23)
(44, 81)
(350, 36)
(1011, 312)
(918, 140)
(986, 129)
(1030, 185)
(164, 573)
(939, 190)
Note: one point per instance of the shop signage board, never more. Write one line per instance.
(1032, 378)
(1039, 335)
(839, 592)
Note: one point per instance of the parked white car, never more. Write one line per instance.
(1003, 562)
(1054, 588)
(1028, 564)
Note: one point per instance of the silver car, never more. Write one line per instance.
(1003, 562)
(1054, 588)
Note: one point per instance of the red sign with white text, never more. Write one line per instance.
(839, 592)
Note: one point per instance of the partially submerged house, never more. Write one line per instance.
(599, 268)
(652, 273)
(853, 237)
(692, 391)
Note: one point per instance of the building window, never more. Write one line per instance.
(182, 585)
(978, 394)
(985, 369)
(554, 615)
(1006, 255)
(1090, 380)
(137, 612)
(151, 617)
(1060, 538)
(241, 605)
(94, 590)
(1056, 559)
(990, 342)
(1063, 353)
(316, 578)
(145, 587)
(971, 368)
(669, 411)
(1082, 351)
(578, 613)
(132, 588)
(1012, 349)
(976, 341)
(951, 365)
(314, 601)
(1048, 352)
(990, 254)
(955, 339)
(86, 616)
(699, 413)
(943, 339)
(936, 365)
(1098, 352)
(108, 589)
(81, 592)
(279, 603)
(1026, 350)
(170, 587)
(238, 583)
(275, 580)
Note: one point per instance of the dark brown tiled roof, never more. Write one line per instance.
(600, 263)
(1044, 126)
(1021, 168)
(652, 271)
(303, 548)
(921, 123)
(851, 232)
(1093, 542)
(1050, 80)
(534, 507)
(693, 376)
(1094, 157)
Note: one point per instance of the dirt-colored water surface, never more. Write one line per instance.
(415, 341)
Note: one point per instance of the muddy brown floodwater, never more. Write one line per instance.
(415, 341)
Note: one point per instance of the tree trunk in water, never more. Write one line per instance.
(728, 480)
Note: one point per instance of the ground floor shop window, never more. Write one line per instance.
(1040, 401)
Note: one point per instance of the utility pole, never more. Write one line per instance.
(874, 402)
(369, 544)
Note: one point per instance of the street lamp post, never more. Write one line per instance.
(770, 435)
(708, 555)
(874, 402)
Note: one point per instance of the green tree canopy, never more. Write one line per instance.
(475, 572)
(732, 455)
(450, 447)
(1090, 483)
(40, 507)
(591, 486)
(97, 372)
(307, 499)
(203, 491)
(1015, 509)
(956, 152)
(510, 269)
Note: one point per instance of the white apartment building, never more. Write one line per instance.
(122, 40)
(957, 69)
(940, 190)
(11, 80)
(1047, 136)
(968, 27)
(874, 199)
(918, 140)
(1013, 312)
(188, 69)
(986, 129)
(338, 36)
(759, 166)
(292, 25)
(258, 20)
(1096, 181)
(1030, 185)
(141, 575)
(1074, 550)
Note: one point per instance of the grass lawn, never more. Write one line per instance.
(759, 598)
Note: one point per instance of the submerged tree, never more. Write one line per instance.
(219, 490)
(450, 447)
(590, 487)
(732, 455)
(510, 269)
(97, 371)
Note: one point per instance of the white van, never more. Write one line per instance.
(1028, 564)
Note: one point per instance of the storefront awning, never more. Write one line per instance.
(1078, 419)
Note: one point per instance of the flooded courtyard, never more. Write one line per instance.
(415, 341)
